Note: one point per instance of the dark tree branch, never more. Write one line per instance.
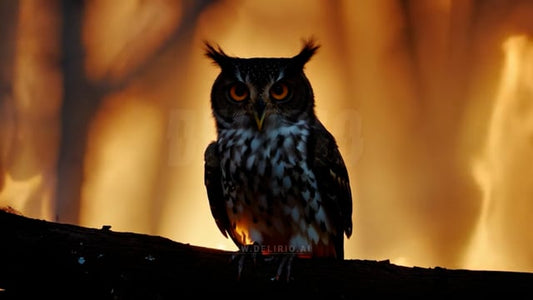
(46, 259)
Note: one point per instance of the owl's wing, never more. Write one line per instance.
(333, 183)
(213, 184)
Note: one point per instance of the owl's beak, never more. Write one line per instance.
(259, 113)
(259, 119)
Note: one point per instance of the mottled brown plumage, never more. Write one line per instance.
(275, 176)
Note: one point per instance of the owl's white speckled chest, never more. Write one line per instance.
(271, 193)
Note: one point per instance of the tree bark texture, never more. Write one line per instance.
(62, 261)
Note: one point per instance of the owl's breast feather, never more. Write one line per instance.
(271, 193)
(263, 153)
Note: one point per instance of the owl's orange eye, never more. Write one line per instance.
(238, 92)
(279, 91)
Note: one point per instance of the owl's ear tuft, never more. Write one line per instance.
(216, 54)
(309, 49)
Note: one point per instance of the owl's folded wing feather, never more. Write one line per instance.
(333, 183)
(213, 184)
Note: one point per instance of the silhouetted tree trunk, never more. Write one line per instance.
(8, 29)
(82, 97)
(80, 103)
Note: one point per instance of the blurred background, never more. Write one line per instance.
(104, 116)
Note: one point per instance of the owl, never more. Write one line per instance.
(275, 179)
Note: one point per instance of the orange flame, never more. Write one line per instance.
(30, 143)
(503, 239)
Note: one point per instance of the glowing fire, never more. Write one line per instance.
(504, 177)
(29, 116)
(432, 114)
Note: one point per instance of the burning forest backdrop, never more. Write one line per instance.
(104, 116)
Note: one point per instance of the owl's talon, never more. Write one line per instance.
(240, 266)
(286, 263)
(240, 256)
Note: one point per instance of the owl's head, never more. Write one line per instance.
(261, 92)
